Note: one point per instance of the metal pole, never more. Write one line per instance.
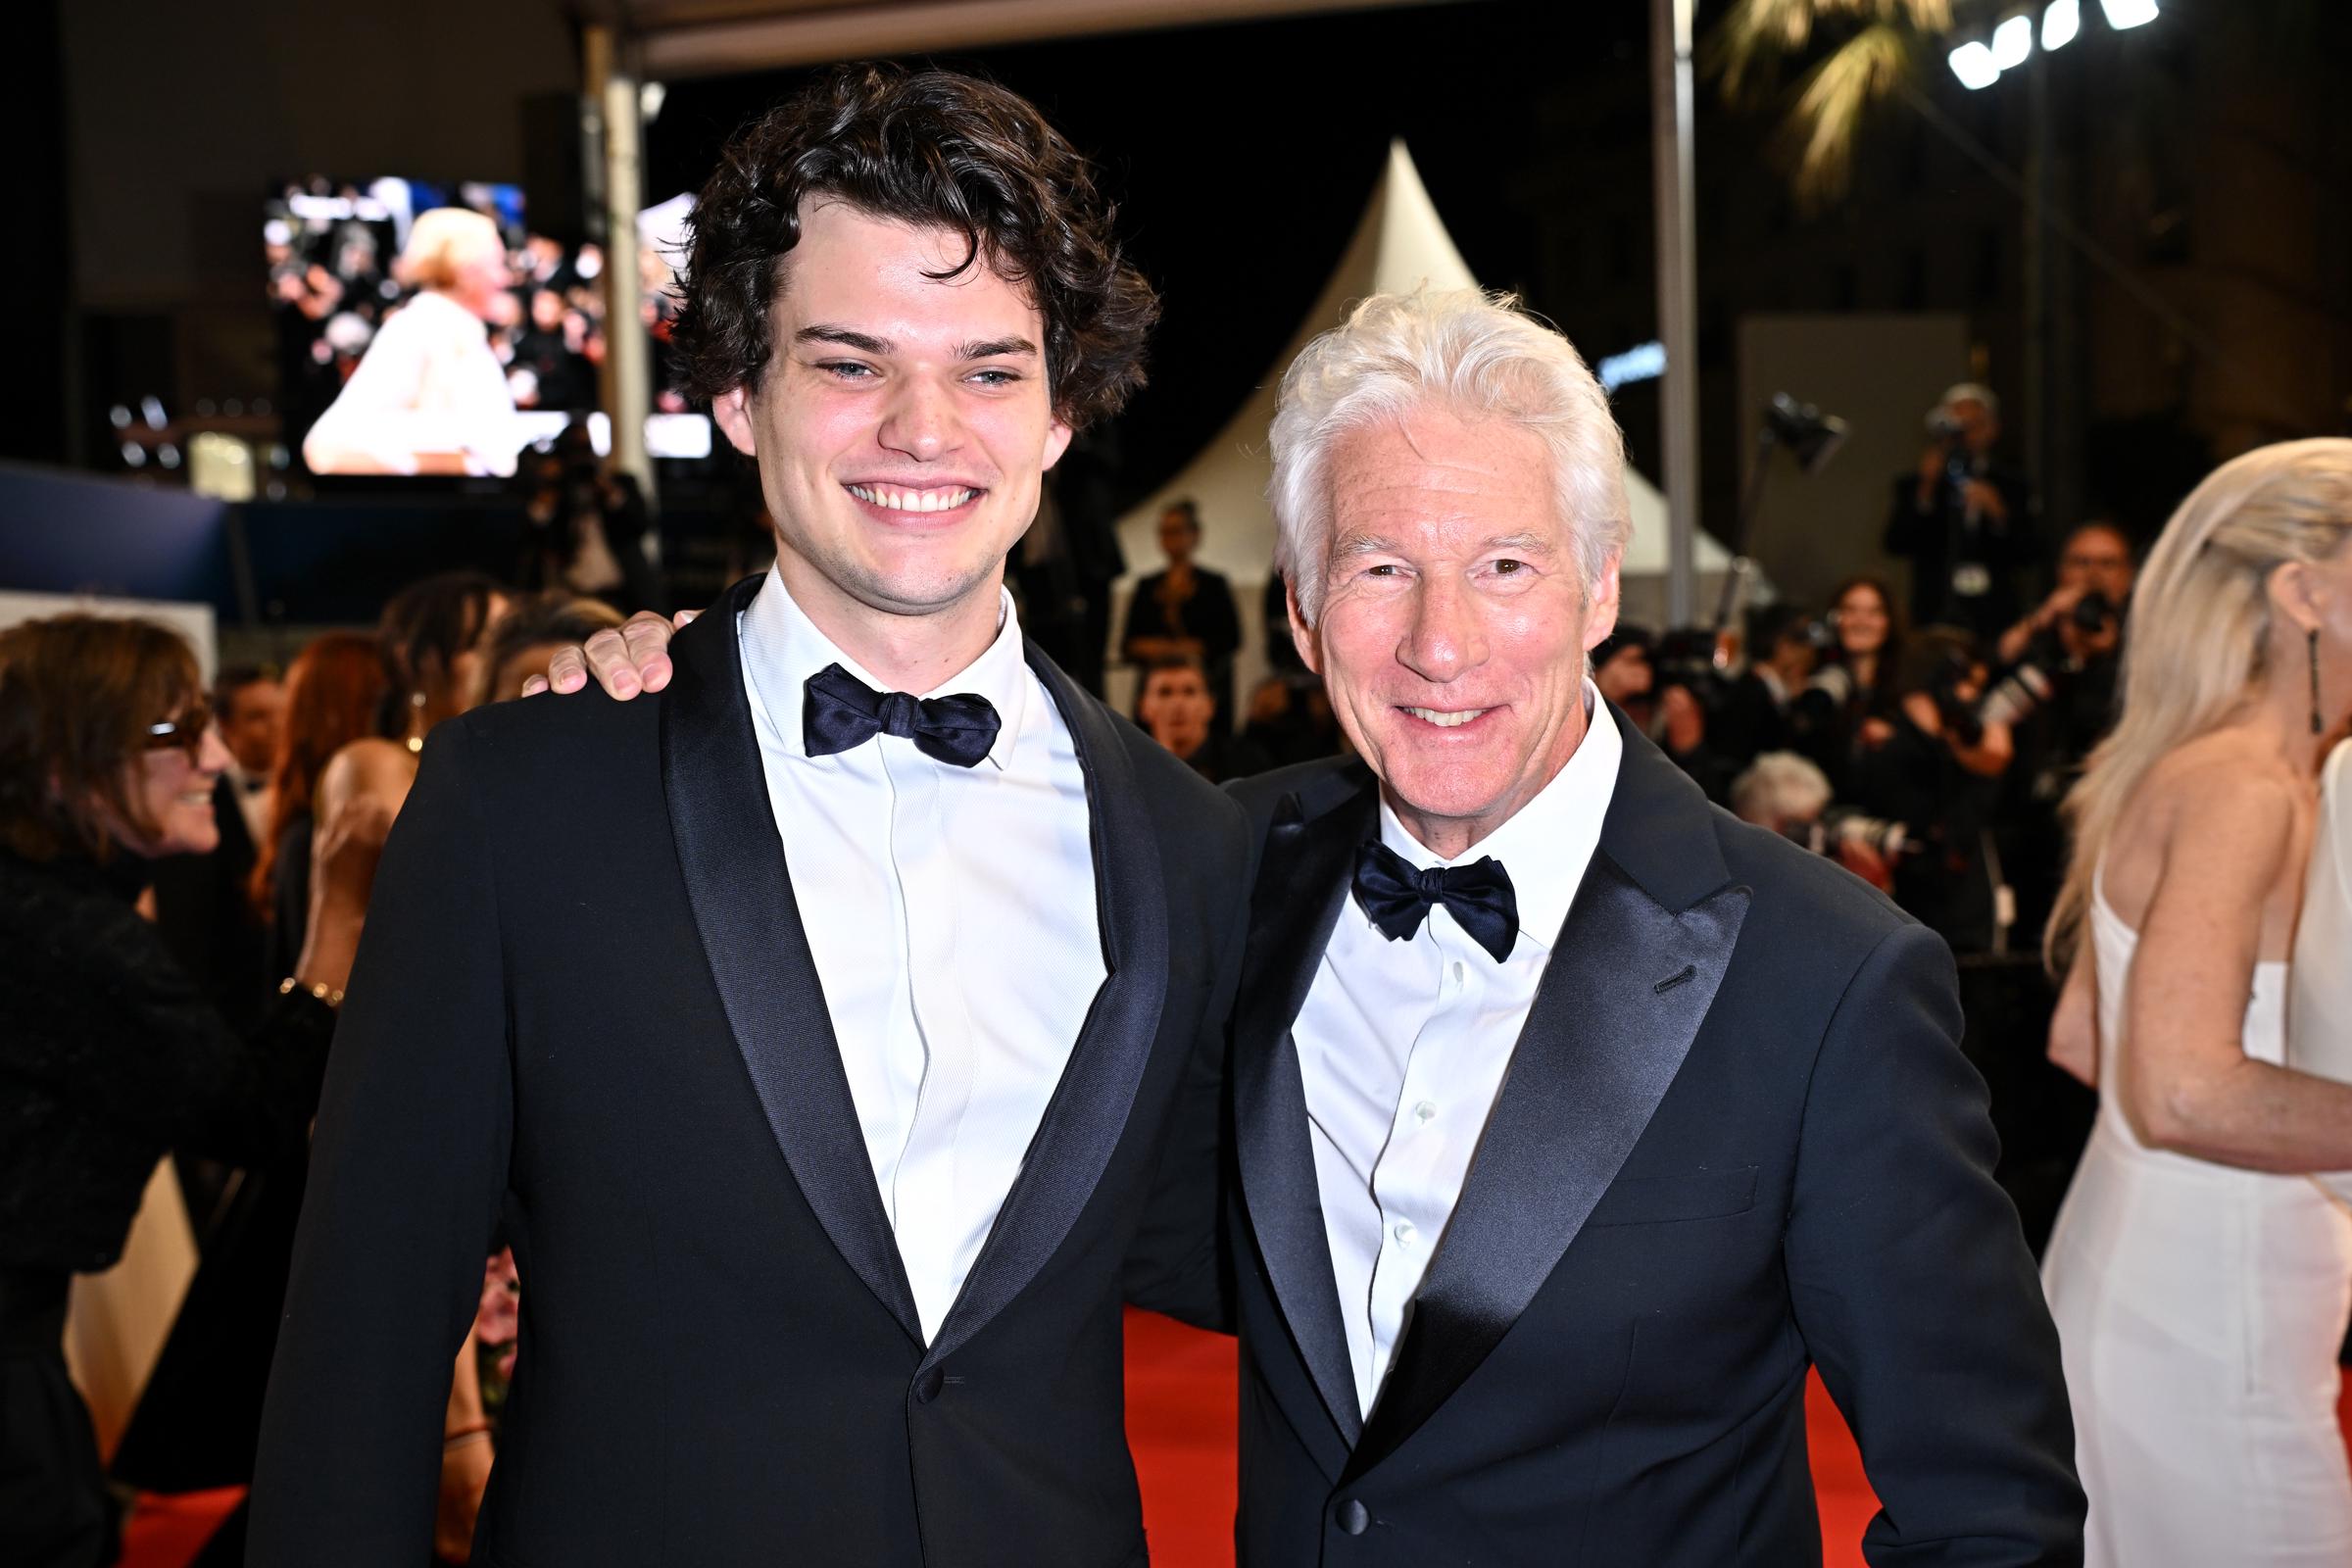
(1671, 115)
(628, 356)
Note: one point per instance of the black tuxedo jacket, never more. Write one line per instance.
(1738, 1138)
(586, 1000)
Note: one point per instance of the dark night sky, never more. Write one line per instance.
(1242, 156)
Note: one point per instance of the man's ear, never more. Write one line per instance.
(1057, 441)
(1302, 636)
(1600, 610)
(732, 409)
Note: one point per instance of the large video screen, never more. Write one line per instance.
(425, 330)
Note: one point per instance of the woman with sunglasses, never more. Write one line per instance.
(111, 1055)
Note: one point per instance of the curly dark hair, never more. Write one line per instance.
(926, 147)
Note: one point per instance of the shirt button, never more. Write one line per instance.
(1457, 968)
(1425, 1113)
(1403, 1231)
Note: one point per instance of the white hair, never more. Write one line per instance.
(1779, 787)
(1472, 354)
(1970, 392)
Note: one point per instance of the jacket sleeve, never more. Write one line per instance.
(1178, 1263)
(408, 1169)
(1913, 1288)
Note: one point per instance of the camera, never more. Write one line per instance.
(1944, 426)
(2093, 612)
(1842, 826)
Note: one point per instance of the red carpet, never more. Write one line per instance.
(1180, 1419)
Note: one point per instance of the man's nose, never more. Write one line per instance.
(921, 421)
(1444, 639)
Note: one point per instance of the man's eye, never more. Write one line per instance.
(1383, 570)
(845, 370)
(1506, 567)
(995, 377)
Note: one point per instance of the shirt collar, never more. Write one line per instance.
(782, 648)
(1546, 844)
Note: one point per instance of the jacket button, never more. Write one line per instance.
(927, 1387)
(1354, 1517)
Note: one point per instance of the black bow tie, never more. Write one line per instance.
(1397, 896)
(845, 711)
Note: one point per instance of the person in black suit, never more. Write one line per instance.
(1964, 518)
(1186, 612)
(826, 1171)
(1723, 1129)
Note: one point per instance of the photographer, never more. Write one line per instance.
(588, 527)
(1849, 705)
(1782, 792)
(1963, 519)
(1753, 716)
(1936, 768)
(2057, 691)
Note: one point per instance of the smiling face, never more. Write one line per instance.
(902, 428)
(1453, 626)
(1861, 621)
(172, 789)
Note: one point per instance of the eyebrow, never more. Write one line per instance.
(995, 348)
(864, 343)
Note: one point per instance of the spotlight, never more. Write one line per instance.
(2127, 13)
(2012, 42)
(1974, 66)
(2060, 23)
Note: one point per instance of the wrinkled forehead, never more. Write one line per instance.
(1432, 480)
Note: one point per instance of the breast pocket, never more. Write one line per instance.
(1661, 1200)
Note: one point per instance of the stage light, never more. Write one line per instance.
(1974, 66)
(135, 456)
(2060, 23)
(2127, 13)
(2012, 42)
(1646, 361)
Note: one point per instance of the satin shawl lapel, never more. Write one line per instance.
(1088, 1113)
(750, 923)
(1636, 965)
(1303, 883)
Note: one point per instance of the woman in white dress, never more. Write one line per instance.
(429, 395)
(2199, 1278)
(2318, 1003)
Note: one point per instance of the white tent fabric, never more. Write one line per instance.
(1400, 244)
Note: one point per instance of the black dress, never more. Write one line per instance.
(111, 1055)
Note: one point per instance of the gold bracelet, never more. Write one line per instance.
(330, 994)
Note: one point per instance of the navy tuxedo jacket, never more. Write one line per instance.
(586, 1002)
(1737, 1140)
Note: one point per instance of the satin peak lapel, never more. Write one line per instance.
(1302, 884)
(750, 923)
(1629, 984)
(1088, 1113)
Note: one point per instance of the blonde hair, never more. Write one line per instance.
(2199, 632)
(441, 241)
(1465, 351)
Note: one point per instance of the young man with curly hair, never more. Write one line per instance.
(828, 1164)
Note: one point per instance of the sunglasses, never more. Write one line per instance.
(185, 730)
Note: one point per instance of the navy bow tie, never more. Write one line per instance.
(1397, 896)
(845, 711)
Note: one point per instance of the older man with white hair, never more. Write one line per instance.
(1575, 1120)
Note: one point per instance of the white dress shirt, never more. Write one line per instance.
(1403, 1047)
(951, 913)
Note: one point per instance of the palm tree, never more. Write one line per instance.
(1876, 48)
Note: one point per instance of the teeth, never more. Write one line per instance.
(912, 500)
(1431, 716)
